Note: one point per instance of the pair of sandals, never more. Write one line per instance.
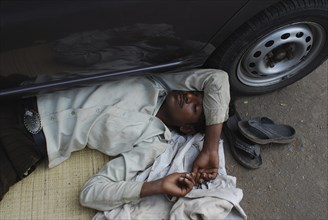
(245, 137)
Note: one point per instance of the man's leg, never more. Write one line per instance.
(19, 152)
(8, 176)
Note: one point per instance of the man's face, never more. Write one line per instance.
(184, 108)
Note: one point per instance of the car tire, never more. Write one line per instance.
(277, 47)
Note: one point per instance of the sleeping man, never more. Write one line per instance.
(130, 119)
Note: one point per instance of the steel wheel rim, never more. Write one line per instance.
(280, 54)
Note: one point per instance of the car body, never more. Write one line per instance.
(149, 36)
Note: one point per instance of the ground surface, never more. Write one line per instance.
(292, 181)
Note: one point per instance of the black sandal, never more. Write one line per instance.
(263, 130)
(243, 150)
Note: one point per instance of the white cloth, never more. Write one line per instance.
(212, 200)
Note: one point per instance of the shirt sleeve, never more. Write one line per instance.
(215, 85)
(114, 184)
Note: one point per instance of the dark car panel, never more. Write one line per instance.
(112, 39)
(177, 32)
(24, 23)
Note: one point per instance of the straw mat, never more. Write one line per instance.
(53, 193)
(47, 193)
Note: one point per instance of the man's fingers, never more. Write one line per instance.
(191, 177)
(204, 175)
(207, 175)
(212, 176)
(187, 180)
(198, 177)
(210, 171)
(189, 183)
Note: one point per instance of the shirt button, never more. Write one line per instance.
(73, 113)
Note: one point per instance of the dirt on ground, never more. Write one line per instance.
(292, 181)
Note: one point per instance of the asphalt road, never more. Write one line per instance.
(292, 182)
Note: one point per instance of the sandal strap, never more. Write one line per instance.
(253, 150)
(266, 130)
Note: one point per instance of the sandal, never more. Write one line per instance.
(264, 131)
(244, 151)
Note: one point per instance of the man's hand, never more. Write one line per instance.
(175, 184)
(206, 166)
(178, 184)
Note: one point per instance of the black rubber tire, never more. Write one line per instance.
(228, 56)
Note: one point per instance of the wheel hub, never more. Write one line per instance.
(279, 54)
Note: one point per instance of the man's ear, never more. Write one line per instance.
(187, 129)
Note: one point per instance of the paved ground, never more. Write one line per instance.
(292, 181)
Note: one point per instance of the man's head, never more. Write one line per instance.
(183, 111)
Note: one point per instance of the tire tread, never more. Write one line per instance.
(284, 7)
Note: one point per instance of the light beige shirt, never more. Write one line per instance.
(119, 118)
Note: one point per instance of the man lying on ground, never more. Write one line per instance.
(130, 119)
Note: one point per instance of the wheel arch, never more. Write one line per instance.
(239, 19)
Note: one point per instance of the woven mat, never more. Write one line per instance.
(53, 193)
(47, 193)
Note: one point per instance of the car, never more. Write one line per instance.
(262, 45)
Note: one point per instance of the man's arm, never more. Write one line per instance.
(103, 194)
(115, 185)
